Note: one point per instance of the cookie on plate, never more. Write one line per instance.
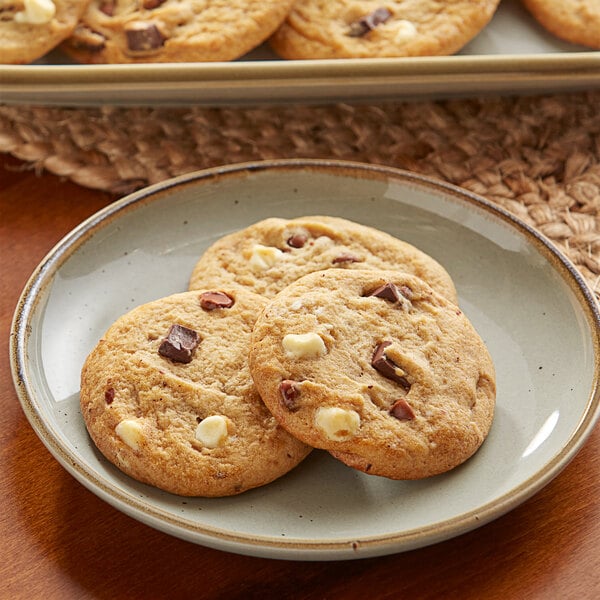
(167, 397)
(270, 254)
(370, 29)
(129, 31)
(575, 21)
(31, 28)
(376, 368)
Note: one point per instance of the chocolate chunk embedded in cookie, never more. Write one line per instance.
(167, 397)
(376, 368)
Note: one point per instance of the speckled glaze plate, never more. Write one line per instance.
(535, 313)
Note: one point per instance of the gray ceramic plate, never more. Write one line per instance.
(539, 320)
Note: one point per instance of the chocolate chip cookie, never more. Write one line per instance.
(372, 28)
(167, 397)
(377, 368)
(31, 28)
(270, 254)
(129, 31)
(576, 21)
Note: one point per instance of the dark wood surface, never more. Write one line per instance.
(58, 540)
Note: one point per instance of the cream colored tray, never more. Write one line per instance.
(513, 54)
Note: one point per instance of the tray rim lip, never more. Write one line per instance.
(266, 546)
(267, 82)
(330, 68)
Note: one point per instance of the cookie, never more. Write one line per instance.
(31, 28)
(267, 256)
(129, 31)
(377, 368)
(575, 21)
(370, 29)
(167, 397)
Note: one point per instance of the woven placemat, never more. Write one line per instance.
(538, 157)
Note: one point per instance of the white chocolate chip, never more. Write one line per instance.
(338, 424)
(405, 30)
(36, 12)
(304, 345)
(212, 431)
(131, 432)
(264, 257)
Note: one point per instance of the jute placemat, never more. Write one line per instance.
(538, 157)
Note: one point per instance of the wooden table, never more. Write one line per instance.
(58, 540)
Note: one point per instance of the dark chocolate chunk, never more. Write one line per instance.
(109, 395)
(386, 366)
(289, 393)
(387, 291)
(213, 300)
(367, 23)
(180, 343)
(143, 36)
(345, 258)
(150, 4)
(297, 240)
(402, 411)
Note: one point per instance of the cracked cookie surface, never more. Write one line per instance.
(369, 29)
(270, 254)
(376, 368)
(167, 397)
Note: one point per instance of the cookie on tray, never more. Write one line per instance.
(575, 21)
(31, 28)
(371, 29)
(378, 369)
(130, 31)
(270, 254)
(167, 397)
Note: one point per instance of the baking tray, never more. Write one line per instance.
(513, 54)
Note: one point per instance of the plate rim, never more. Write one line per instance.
(289, 547)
